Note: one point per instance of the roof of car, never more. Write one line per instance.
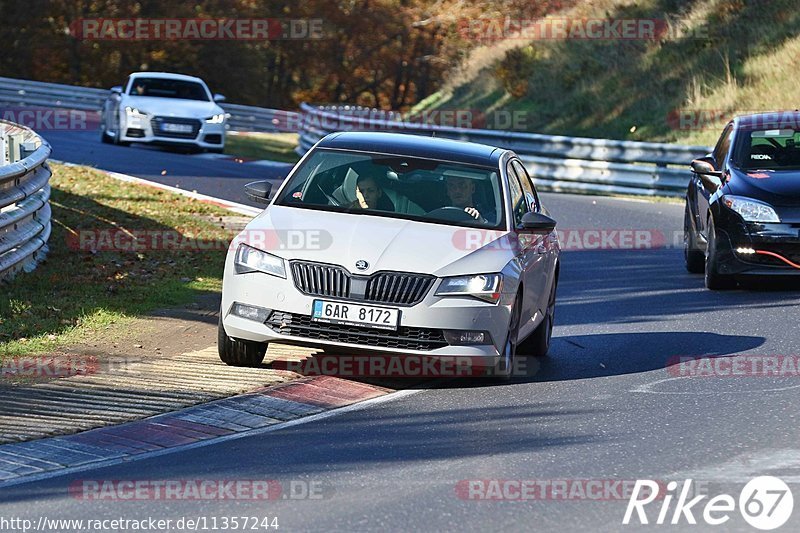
(773, 119)
(168, 75)
(414, 145)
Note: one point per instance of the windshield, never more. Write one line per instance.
(397, 187)
(777, 149)
(168, 88)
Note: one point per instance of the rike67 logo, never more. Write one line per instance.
(765, 503)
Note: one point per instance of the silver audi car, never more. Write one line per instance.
(395, 244)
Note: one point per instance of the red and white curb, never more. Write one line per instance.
(256, 412)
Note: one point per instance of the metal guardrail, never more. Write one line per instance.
(557, 163)
(54, 95)
(24, 199)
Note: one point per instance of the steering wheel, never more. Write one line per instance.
(454, 214)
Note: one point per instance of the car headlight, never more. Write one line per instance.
(216, 119)
(751, 210)
(486, 287)
(249, 259)
(132, 112)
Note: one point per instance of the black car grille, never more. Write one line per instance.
(406, 338)
(321, 280)
(400, 288)
(394, 287)
(158, 122)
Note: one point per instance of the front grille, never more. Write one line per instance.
(321, 280)
(400, 288)
(158, 122)
(405, 338)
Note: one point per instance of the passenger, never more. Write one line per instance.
(370, 195)
(460, 192)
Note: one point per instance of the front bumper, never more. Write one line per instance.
(148, 130)
(421, 330)
(759, 249)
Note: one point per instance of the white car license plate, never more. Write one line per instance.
(176, 128)
(355, 315)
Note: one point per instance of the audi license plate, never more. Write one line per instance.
(176, 128)
(355, 315)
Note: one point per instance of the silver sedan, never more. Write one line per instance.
(395, 244)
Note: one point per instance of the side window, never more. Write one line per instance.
(724, 143)
(518, 204)
(527, 186)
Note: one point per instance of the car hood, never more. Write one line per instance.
(776, 187)
(384, 243)
(173, 107)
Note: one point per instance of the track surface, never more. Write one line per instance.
(602, 406)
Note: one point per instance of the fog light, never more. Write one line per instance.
(745, 251)
(250, 312)
(461, 338)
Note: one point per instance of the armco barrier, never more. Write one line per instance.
(24, 199)
(557, 163)
(15, 92)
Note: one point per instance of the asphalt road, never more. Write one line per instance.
(602, 406)
(205, 173)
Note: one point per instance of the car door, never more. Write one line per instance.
(702, 192)
(533, 253)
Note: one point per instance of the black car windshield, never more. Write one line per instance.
(397, 187)
(777, 149)
(168, 88)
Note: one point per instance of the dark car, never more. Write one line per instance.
(743, 202)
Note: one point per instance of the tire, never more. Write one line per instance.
(235, 352)
(505, 368)
(695, 259)
(538, 343)
(714, 280)
(104, 138)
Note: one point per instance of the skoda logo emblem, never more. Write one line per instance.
(362, 265)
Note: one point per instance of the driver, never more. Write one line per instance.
(460, 192)
(369, 195)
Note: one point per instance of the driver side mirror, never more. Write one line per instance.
(116, 89)
(538, 223)
(711, 178)
(704, 167)
(258, 191)
(219, 98)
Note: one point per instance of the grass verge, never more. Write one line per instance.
(270, 146)
(84, 289)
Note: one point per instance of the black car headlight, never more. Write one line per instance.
(751, 210)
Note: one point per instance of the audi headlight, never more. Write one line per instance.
(216, 119)
(751, 210)
(486, 287)
(249, 259)
(132, 112)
